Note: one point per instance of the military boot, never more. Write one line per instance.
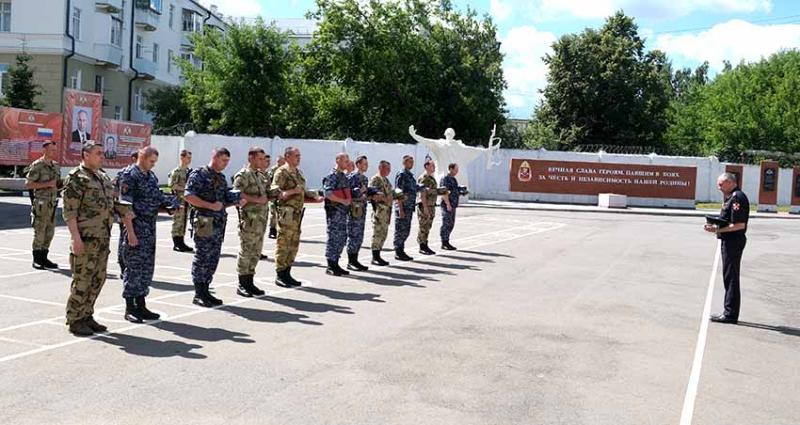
(244, 287)
(283, 279)
(333, 268)
(80, 328)
(353, 264)
(294, 281)
(273, 233)
(425, 250)
(145, 313)
(93, 325)
(400, 254)
(203, 298)
(376, 258)
(132, 311)
(255, 290)
(38, 264)
(179, 245)
(46, 262)
(448, 247)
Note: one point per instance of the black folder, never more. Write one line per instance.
(719, 222)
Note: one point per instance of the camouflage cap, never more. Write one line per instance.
(48, 142)
(89, 145)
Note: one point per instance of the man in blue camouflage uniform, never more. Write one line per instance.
(208, 192)
(115, 181)
(337, 203)
(358, 214)
(139, 186)
(449, 204)
(404, 212)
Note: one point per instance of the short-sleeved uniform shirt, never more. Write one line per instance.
(41, 171)
(210, 186)
(735, 209)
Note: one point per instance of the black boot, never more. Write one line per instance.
(400, 254)
(424, 249)
(179, 245)
(273, 233)
(333, 268)
(96, 327)
(38, 264)
(47, 263)
(376, 258)
(145, 313)
(203, 298)
(448, 247)
(283, 279)
(132, 311)
(353, 264)
(263, 257)
(244, 287)
(293, 281)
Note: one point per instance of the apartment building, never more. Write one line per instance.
(121, 48)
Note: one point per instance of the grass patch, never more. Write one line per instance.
(717, 206)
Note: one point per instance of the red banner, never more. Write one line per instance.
(120, 139)
(82, 112)
(593, 178)
(22, 133)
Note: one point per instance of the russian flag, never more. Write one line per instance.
(44, 133)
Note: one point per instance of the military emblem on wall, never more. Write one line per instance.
(524, 172)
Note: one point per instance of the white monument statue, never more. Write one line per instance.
(449, 150)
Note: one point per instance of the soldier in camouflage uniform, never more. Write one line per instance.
(89, 208)
(381, 211)
(404, 212)
(115, 182)
(449, 205)
(337, 207)
(266, 178)
(290, 185)
(252, 220)
(139, 186)
(426, 208)
(358, 213)
(273, 206)
(208, 193)
(177, 182)
(43, 180)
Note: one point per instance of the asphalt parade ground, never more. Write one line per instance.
(540, 317)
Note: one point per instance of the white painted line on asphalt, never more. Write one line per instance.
(31, 300)
(699, 350)
(6, 276)
(16, 341)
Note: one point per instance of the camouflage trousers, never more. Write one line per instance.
(179, 220)
(288, 241)
(337, 232)
(252, 226)
(448, 223)
(355, 234)
(272, 215)
(208, 236)
(425, 223)
(402, 227)
(43, 220)
(140, 260)
(381, 218)
(88, 277)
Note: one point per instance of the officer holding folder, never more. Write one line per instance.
(730, 227)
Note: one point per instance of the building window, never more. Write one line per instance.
(171, 16)
(3, 78)
(116, 32)
(155, 52)
(118, 113)
(138, 101)
(99, 83)
(75, 80)
(76, 23)
(5, 16)
(190, 21)
(170, 57)
(139, 47)
(155, 5)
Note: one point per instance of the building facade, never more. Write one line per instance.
(120, 48)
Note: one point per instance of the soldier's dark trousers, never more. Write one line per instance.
(402, 228)
(208, 246)
(448, 223)
(732, 249)
(337, 232)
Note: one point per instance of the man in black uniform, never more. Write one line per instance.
(736, 211)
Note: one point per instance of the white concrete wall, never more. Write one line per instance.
(318, 159)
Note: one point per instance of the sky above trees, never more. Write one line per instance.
(689, 31)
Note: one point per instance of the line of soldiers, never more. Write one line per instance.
(265, 197)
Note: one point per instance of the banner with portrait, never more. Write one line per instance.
(82, 114)
(120, 139)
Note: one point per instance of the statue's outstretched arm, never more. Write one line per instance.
(424, 140)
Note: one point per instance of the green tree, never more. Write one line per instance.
(22, 91)
(604, 88)
(375, 67)
(170, 111)
(241, 85)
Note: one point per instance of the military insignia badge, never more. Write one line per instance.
(736, 206)
(524, 173)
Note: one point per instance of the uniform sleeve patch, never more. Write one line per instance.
(736, 206)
